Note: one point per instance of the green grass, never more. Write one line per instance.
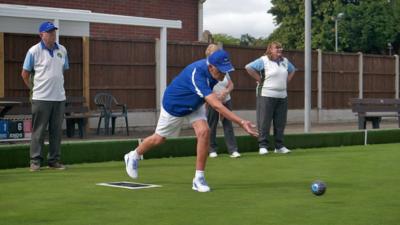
(363, 189)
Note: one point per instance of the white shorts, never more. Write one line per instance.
(170, 126)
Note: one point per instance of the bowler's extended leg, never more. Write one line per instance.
(203, 141)
(132, 158)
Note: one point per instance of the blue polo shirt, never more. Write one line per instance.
(186, 93)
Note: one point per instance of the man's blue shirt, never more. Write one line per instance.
(187, 91)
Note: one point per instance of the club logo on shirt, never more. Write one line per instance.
(59, 55)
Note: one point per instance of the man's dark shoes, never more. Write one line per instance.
(57, 166)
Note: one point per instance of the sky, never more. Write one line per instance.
(237, 17)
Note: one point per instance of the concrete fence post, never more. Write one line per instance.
(397, 72)
(360, 75)
(319, 51)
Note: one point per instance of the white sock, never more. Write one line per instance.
(199, 173)
(135, 155)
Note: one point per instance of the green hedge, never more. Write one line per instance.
(17, 155)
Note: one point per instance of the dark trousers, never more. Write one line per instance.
(213, 118)
(271, 110)
(46, 114)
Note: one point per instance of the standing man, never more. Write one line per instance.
(42, 73)
(183, 100)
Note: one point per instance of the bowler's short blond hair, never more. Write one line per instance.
(211, 49)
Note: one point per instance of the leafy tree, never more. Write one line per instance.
(260, 42)
(367, 25)
(290, 19)
(246, 40)
(226, 39)
(396, 20)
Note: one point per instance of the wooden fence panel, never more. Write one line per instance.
(16, 47)
(124, 68)
(73, 78)
(179, 55)
(339, 79)
(244, 93)
(296, 86)
(379, 76)
(127, 69)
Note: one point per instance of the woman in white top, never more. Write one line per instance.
(272, 73)
(223, 90)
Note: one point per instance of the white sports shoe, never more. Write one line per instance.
(263, 151)
(235, 155)
(282, 150)
(213, 155)
(200, 185)
(131, 165)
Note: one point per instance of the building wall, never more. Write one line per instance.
(184, 10)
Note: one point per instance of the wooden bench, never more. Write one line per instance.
(373, 109)
(19, 109)
(76, 112)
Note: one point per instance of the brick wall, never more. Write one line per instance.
(184, 10)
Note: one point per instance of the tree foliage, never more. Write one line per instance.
(367, 26)
(244, 40)
(225, 39)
